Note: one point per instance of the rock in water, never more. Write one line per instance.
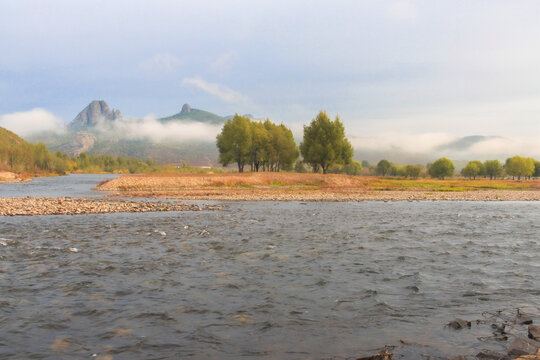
(522, 346)
(458, 324)
(381, 355)
(534, 332)
(523, 319)
(491, 355)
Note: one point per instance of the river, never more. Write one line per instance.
(269, 280)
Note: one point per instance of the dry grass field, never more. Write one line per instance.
(313, 187)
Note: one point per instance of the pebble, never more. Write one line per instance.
(78, 206)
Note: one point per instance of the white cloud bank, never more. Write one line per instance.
(31, 122)
(154, 130)
(435, 145)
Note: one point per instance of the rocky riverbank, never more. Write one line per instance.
(78, 206)
(275, 195)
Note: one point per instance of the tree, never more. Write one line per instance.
(257, 149)
(536, 168)
(519, 166)
(412, 171)
(384, 167)
(285, 147)
(325, 143)
(441, 168)
(353, 168)
(473, 169)
(493, 168)
(234, 142)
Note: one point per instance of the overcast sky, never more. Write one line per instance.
(451, 68)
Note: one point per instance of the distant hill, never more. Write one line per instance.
(90, 132)
(19, 156)
(9, 138)
(189, 114)
(85, 133)
(465, 143)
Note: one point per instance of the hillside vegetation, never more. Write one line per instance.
(18, 155)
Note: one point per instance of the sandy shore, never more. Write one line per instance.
(254, 187)
(9, 177)
(79, 206)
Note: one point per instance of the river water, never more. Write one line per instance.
(270, 280)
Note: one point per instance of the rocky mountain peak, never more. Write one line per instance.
(185, 109)
(95, 111)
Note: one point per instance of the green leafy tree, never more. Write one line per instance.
(536, 168)
(441, 168)
(494, 168)
(353, 168)
(257, 150)
(325, 144)
(411, 171)
(384, 168)
(285, 148)
(234, 142)
(473, 169)
(519, 166)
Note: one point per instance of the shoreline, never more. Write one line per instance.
(315, 187)
(31, 206)
(7, 177)
(384, 196)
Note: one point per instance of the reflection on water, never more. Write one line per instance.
(264, 280)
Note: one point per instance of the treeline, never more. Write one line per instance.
(263, 146)
(386, 168)
(23, 157)
(36, 158)
(516, 167)
(107, 163)
(31, 158)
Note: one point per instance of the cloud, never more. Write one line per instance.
(434, 145)
(152, 129)
(421, 143)
(221, 91)
(30, 122)
(164, 63)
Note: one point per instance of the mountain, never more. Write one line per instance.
(93, 131)
(96, 111)
(189, 114)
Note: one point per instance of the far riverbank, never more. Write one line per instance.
(317, 187)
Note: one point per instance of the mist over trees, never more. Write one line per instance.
(325, 144)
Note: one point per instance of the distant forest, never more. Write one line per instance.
(263, 146)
